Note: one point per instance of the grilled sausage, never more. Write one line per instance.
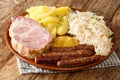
(81, 46)
(82, 53)
(78, 61)
(47, 59)
(53, 57)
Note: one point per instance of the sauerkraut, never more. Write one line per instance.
(91, 29)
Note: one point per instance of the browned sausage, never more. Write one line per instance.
(78, 61)
(53, 57)
(81, 46)
(47, 59)
(83, 53)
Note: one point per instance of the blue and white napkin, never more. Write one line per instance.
(25, 68)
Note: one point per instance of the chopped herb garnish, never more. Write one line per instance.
(88, 28)
(57, 15)
(60, 25)
(62, 19)
(72, 18)
(97, 18)
(94, 23)
(92, 17)
(42, 24)
(39, 19)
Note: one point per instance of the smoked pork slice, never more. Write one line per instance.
(28, 38)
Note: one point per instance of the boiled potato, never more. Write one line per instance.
(63, 27)
(39, 12)
(52, 29)
(49, 19)
(61, 11)
(65, 41)
(55, 20)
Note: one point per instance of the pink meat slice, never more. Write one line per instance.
(28, 36)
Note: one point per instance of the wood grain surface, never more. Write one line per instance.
(110, 9)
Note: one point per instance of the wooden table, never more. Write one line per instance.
(110, 9)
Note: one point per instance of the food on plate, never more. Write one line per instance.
(78, 61)
(55, 20)
(49, 20)
(61, 11)
(47, 59)
(38, 12)
(54, 57)
(90, 29)
(65, 41)
(81, 52)
(60, 36)
(28, 38)
(52, 30)
(63, 26)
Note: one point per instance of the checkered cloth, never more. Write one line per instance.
(25, 68)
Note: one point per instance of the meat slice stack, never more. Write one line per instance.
(28, 38)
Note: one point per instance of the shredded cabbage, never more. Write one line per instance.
(91, 29)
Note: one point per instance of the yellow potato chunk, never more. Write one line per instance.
(52, 30)
(63, 26)
(61, 11)
(39, 12)
(65, 41)
(49, 19)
